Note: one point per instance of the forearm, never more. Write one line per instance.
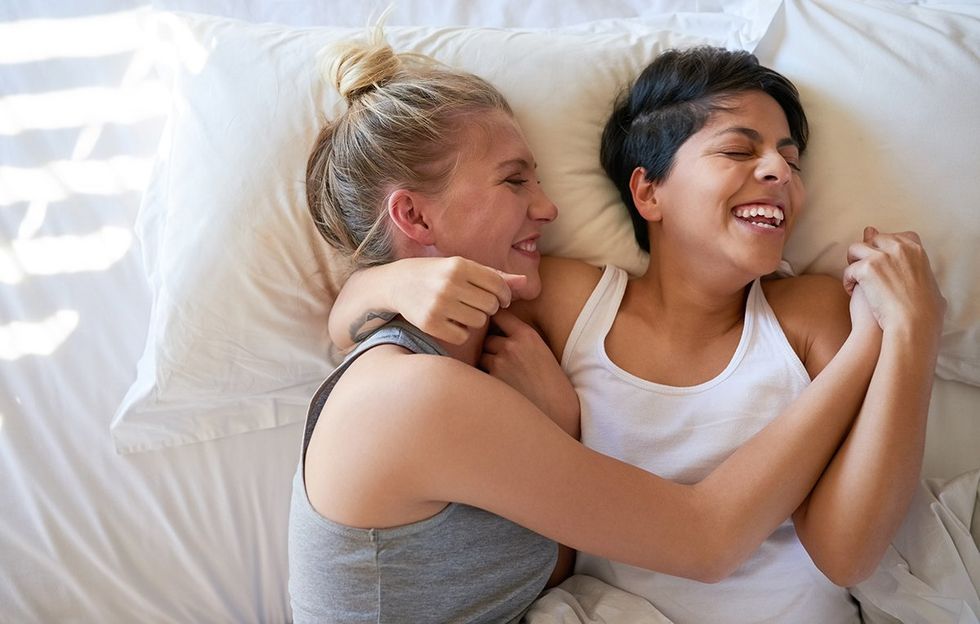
(361, 306)
(569, 418)
(766, 479)
(859, 502)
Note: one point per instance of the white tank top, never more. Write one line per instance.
(682, 433)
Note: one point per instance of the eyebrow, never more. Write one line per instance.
(520, 162)
(754, 136)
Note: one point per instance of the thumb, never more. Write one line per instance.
(513, 280)
(869, 233)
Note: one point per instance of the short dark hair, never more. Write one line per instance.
(672, 100)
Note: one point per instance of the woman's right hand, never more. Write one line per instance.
(896, 281)
(448, 297)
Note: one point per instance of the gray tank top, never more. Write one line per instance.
(461, 565)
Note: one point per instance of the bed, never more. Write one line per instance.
(162, 317)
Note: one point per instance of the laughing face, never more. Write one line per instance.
(494, 208)
(734, 191)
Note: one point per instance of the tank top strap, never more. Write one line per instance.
(598, 314)
(767, 330)
(396, 332)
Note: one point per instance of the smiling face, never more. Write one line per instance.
(493, 209)
(734, 191)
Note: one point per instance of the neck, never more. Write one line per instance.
(692, 302)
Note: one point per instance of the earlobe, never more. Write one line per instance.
(407, 212)
(644, 194)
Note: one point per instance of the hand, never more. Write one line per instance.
(897, 281)
(862, 316)
(519, 357)
(447, 297)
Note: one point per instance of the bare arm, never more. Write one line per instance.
(477, 441)
(857, 505)
(443, 297)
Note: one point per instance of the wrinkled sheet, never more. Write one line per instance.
(582, 599)
(931, 572)
(929, 575)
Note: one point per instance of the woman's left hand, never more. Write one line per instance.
(519, 357)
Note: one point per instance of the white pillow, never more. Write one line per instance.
(241, 283)
(892, 93)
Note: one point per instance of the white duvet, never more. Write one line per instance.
(929, 575)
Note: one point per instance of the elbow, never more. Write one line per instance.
(722, 545)
(720, 558)
(847, 567)
(715, 569)
(713, 574)
(848, 573)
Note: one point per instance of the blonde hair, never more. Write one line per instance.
(403, 114)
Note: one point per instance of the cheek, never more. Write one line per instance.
(798, 197)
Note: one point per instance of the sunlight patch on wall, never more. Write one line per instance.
(20, 338)
(58, 180)
(56, 255)
(78, 37)
(71, 108)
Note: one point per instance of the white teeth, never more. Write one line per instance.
(769, 212)
(529, 246)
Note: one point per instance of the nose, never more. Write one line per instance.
(773, 169)
(542, 208)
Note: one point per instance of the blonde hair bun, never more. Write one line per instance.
(360, 66)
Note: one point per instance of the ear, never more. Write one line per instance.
(408, 213)
(644, 194)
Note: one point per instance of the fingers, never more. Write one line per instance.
(853, 274)
(448, 331)
(869, 234)
(896, 279)
(859, 251)
(873, 241)
(514, 282)
(483, 278)
(463, 293)
(508, 323)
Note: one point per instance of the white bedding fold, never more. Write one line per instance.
(931, 572)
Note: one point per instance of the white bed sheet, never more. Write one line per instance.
(193, 533)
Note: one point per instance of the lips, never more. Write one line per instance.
(763, 215)
(528, 245)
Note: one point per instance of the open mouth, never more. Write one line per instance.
(529, 245)
(760, 215)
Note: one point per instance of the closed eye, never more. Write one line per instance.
(517, 181)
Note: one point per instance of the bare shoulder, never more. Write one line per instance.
(565, 287)
(806, 295)
(392, 424)
(388, 373)
(813, 312)
(421, 413)
(428, 390)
